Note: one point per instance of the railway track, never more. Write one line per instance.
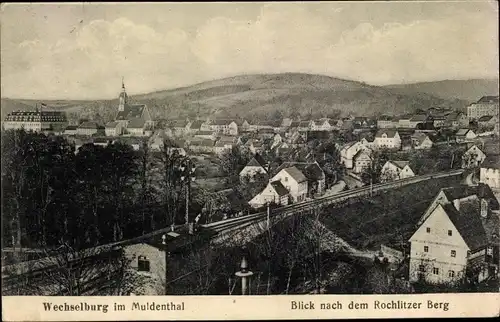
(242, 222)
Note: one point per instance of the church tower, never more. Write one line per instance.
(123, 98)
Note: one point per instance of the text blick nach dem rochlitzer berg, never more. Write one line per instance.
(104, 308)
(375, 304)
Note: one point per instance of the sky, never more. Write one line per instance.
(82, 50)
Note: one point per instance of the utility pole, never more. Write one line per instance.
(188, 177)
(164, 243)
(268, 216)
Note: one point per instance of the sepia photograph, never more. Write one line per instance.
(251, 148)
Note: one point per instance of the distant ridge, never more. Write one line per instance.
(266, 96)
(469, 90)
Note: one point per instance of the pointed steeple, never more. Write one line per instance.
(123, 98)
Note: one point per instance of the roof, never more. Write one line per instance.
(208, 143)
(88, 125)
(111, 124)
(488, 99)
(400, 164)
(419, 118)
(360, 152)
(279, 188)
(491, 162)
(385, 118)
(296, 174)
(196, 124)
(130, 111)
(221, 122)
(205, 133)
(101, 140)
(389, 132)
(136, 123)
(311, 170)
(468, 222)
(481, 190)
(256, 161)
(485, 118)
(71, 128)
(462, 132)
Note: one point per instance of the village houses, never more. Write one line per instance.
(314, 174)
(137, 114)
(490, 171)
(348, 151)
(421, 141)
(465, 135)
(458, 231)
(395, 170)
(113, 129)
(361, 160)
(472, 157)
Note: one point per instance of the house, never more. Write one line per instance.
(273, 125)
(126, 112)
(256, 165)
(180, 127)
(388, 139)
(222, 146)
(361, 160)
(206, 135)
(456, 119)
(458, 231)
(294, 181)
(472, 157)
(101, 142)
(71, 130)
(274, 192)
(490, 172)
(135, 142)
(396, 170)
(314, 174)
(36, 121)
(360, 121)
(277, 140)
(348, 151)
(225, 127)
(88, 128)
(202, 146)
(195, 126)
(113, 129)
(486, 105)
(438, 121)
(421, 141)
(404, 121)
(321, 125)
(465, 135)
(487, 122)
(286, 123)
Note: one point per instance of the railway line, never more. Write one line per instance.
(227, 225)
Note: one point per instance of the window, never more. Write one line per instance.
(421, 268)
(426, 249)
(451, 273)
(142, 264)
(453, 253)
(286, 179)
(450, 233)
(435, 270)
(428, 229)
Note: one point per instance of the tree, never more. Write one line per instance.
(231, 162)
(371, 173)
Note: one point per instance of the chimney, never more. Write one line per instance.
(484, 208)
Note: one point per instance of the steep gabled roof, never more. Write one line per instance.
(130, 111)
(311, 170)
(136, 123)
(296, 174)
(89, 125)
(196, 124)
(462, 132)
(111, 124)
(468, 222)
(400, 164)
(279, 188)
(491, 162)
(488, 99)
(389, 132)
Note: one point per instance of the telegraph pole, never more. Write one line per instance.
(164, 243)
(245, 275)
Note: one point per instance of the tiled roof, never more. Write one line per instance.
(488, 99)
(71, 128)
(462, 131)
(130, 112)
(400, 164)
(136, 123)
(296, 174)
(311, 170)
(481, 190)
(111, 124)
(196, 124)
(389, 132)
(256, 161)
(279, 188)
(207, 143)
(88, 125)
(221, 122)
(205, 133)
(491, 162)
(419, 118)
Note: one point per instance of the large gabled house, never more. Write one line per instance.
(256, 165)
(387, 139)
(361, 160)
(473, 157)
(294, 181)
(465, 135)
(421, 141)
(348, 151)
(274, 192)
(395, 170)
(314, 174)
(490, 171)
(458, 233)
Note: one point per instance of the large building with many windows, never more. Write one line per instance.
(487, 105)
(36, 121)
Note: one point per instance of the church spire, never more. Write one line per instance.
(123, 98)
